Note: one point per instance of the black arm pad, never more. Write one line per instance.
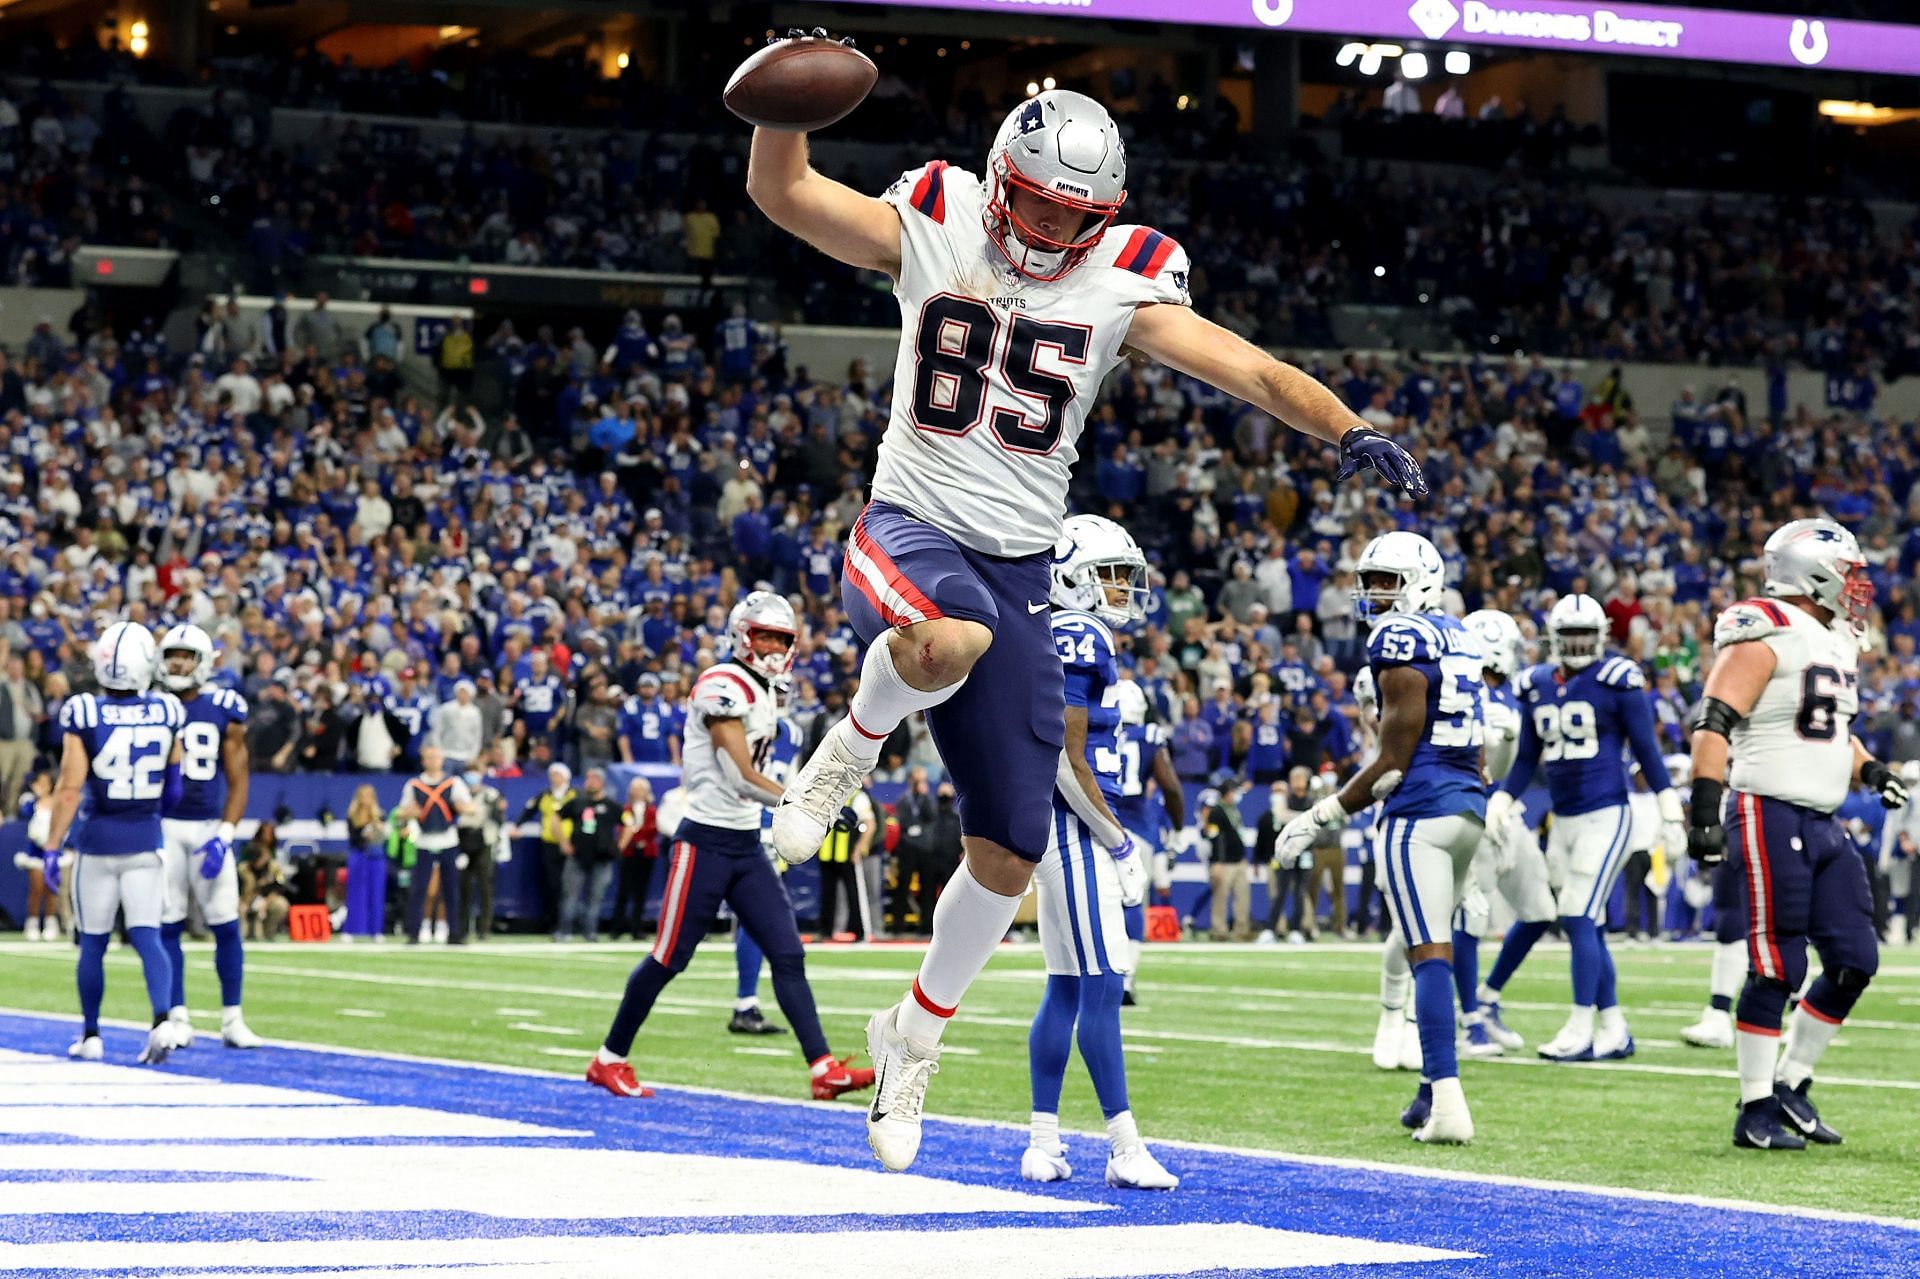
(1715, 716)
(1707, 795)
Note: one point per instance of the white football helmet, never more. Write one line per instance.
(124, 657)
(1364, 693)
(1576, 632)
(1133, 702)
(1093, 559)
(763, 613)
(1063, 147)
(1501, 646)
(1821, 560)
(1420, 577)
(191, 639)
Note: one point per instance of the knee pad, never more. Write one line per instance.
(1851, 981)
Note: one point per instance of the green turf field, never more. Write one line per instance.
(1257, 1047)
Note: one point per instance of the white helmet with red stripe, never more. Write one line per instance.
(1063, 147)
(758, 615)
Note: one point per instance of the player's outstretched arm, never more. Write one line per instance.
(1179, 338)
(831, 216)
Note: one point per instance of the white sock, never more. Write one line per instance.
(1448, 1092)
(1729, 969)
(229, 1013)
(1122, 1132)
(969, 922)
(1134, 949)
(606, 1058)
(1043, 1131)
(1582, 1021)
(1807, 1038)
(884, 699)
(1753, 1054)
(1613, 1021)
(741, 1005)
(1488, 995)
(1396, 974)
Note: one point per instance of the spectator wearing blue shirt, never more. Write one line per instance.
(649, 728)
(1309, 573)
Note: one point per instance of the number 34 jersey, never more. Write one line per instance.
(1443, 779)
(996, 372)
(128, 739)
(1796, 744)
(203, 782)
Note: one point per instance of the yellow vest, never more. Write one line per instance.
(554, 829)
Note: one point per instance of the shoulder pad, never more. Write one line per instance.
(924, 190)
(722, 693)
(78, 713)
(1621, 672)
(1082, 625)
(236, 704)
(1148, 262)
(1750, 620)
(1402, 638)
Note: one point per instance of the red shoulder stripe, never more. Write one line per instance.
(930, 192)
(743, 686)
(1775, 614)
(1161, 252)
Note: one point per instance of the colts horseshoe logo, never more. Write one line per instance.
(1808, 42)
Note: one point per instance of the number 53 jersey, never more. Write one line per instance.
(996, 372)
(1443, 779)
(1796, 744)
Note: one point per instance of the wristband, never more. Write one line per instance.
(1707, 794)
(224, 832)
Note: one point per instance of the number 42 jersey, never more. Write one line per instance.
(1796, 744)
(128, 739)
(996, 372)
(203, 782)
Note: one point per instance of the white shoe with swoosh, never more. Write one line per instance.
(900, 1077)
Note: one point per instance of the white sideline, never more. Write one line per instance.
(1275, 1156)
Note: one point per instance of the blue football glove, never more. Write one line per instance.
(50, 867)
(213, 855)
(1364, 447)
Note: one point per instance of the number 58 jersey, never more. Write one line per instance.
(1796, 744)
(203, 782)
(996, 372)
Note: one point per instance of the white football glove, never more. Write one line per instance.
(1131, 865)
(1297, 836)
(1499, 805)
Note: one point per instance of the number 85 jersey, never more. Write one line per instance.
(1443, 779)
(996, 372)
(1796, 744)
(203, 782)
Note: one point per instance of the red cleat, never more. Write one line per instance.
(831, 1078)
(617, 1078)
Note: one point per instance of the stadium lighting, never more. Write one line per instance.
(1370, 63)
(1047, 83)
(137, 39)
(1414, 66)
(1865, 113)
(1181, 105)
(1379, 272)
(1349, 53)
(622, 61)
(1032, 88)
(1459, 62)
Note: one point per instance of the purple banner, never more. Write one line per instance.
(1704, 35)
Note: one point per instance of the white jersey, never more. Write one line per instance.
(1796, 744)
(725, 691)
(997, 372)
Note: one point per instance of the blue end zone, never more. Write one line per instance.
(1508, 1230)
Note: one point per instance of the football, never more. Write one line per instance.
(800, 84)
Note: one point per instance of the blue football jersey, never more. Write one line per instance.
(541, 700)
(647, 726)
(1443, 779)
(1086, 648)
(203, 783)
(1137, 746)
(1580, 725)
(787, 742)
(128, 739)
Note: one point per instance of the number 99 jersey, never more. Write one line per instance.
(203, 782)
(1796, 744)
(1443, 779)
(726, 691)
(127, 739)
(996, 372)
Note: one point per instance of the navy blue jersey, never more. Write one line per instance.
(540, 700)
(1086, 649)
(203, 783)
(1443, 779)
(128, 739)
(1268, 754)
(787, 741)
(1137, 746)
(648, 726)
(413, 713)
(1580, 725)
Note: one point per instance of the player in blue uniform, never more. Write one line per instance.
(747, 955)
(120, 752)
(197, 855)
(1581, 712)
(1093, 869)
(1144, 756)
(1427, 776)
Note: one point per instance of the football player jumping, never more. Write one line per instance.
(1018, 294)
(1780, 700)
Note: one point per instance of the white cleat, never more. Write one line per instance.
(182, 1025)
(160, 1041)
(814, 795)
(1045, 1165)
(1450, 1124)
(1569, 1045)
(1713, 1030)
(1612, 1043)
(1134, 1168)
(31, 930)
(1387, 1037)
(900, 1077)
(87, 1048)
(235, 1033)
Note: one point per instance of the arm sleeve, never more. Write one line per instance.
(1525, 759)
(1644, 742)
